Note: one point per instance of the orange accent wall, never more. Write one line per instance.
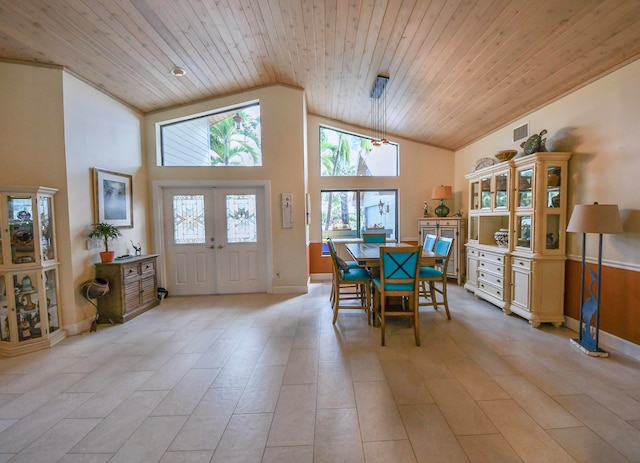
(317, 262)
(619, 304)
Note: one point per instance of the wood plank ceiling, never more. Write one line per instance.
(458, 69)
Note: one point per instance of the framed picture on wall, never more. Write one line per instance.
(113, 198)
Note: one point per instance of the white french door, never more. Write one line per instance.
(214, 240)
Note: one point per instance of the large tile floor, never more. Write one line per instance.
(268, 378)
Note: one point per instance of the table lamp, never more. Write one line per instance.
(600, 219)
(441, 192)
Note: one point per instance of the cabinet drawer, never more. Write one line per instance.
(491, 257)
(130, 271)
(496, 268)
(491, 290)
(148, 268)
(524, 264)
(471, 252)
(497, 280)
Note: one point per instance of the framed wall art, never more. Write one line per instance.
(113, 198)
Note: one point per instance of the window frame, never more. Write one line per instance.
(363, 137)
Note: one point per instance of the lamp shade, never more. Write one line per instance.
(441, 192)
(595, 218)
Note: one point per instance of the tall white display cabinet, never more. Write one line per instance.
(29, 301)
(521, 267)
(449, 227)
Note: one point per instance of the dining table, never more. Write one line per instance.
(368, 254)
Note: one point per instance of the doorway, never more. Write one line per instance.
(215, 239)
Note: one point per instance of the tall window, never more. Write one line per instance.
(346, 214)
(228, 138)
(345, 154)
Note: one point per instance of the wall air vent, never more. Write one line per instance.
(521, 132)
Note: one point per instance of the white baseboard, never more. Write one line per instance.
(77, 328)
(606, 340)
(319, 277)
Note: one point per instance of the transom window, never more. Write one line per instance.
(348, 155)
(226, 138)
(346, 214)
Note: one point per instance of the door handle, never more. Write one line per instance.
(220, 246)
(211, 247)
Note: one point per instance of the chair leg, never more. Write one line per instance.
(444, 299)
(416, 318)
(382, 308)
(434, 296)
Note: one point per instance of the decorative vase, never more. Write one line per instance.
(502, 238)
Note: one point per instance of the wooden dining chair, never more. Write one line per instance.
(351, 287)
(436, 279)
(374, 238)
(429, 242)
(349, 264)
(398, 277)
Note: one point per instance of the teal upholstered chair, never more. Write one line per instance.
(374, 238)
(398, 277)
(436, 279)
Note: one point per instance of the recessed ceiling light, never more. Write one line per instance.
(178, 72)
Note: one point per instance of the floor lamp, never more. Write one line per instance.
(600, 219)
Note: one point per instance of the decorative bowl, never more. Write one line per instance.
(505, 155)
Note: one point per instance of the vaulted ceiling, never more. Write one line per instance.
(458, 69)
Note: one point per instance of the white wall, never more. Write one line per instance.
(99, 132)
(599, 123)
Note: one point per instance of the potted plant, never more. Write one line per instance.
(105, 231)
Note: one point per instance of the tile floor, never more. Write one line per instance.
(268, 378)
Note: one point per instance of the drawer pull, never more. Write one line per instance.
(499, 269)
(131, 270)
(147, 266)
(499, 281)
(521, 263)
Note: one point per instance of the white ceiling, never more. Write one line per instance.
(459, 69)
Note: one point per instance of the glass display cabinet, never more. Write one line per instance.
(511, 275)
(29, 301)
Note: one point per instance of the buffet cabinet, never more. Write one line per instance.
(449, 227)
(29, 299)
(516, 231)
(133, 288)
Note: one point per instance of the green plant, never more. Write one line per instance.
(104, 231)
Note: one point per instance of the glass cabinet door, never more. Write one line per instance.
(5, 331)
(45, 209)
(502, 190)
(21, 233)
(523, 230)
(474, 202)
(525, 188)
(473, 228)
(553, 232)
(51, 290)
(554, 179)
(485, 193)
(28, 301)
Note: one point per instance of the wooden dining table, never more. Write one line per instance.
(368, 254)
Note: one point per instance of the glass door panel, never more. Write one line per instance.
(241, 218)
(20, 211)
(27, 305)
(523, 230)
(5, 333)
(475, 196)
(525, 188)
(502, 190)
(51, 290)
(553, 231)
(473, 228)
(554, 179)
(45, 209)
(485, 193)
